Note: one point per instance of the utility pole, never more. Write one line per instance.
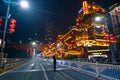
(4, 34)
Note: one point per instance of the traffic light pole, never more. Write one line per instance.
(4, 34)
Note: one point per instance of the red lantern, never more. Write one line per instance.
(13, 21)
(11, 30)
(0, 21)
(111, 35)
(12, 25)
(112, 40)
(27, 50)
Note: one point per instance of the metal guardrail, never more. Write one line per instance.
(108, 71)
(13, 61)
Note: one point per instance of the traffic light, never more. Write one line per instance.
(0, 23)
(12, 25)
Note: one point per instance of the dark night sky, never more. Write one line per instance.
(61, 13)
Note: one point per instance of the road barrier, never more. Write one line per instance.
(12, 61)
(108, 71)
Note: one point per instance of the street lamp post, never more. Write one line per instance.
(23, 4)
(4, 33)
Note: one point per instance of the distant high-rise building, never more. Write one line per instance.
(115, 17)
(49, 37)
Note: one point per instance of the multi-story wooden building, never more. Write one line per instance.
(89, 38)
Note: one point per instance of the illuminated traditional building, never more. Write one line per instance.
(88, 38)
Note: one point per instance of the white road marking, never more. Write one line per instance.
(4, 73)
(61, 68)
(63, 78)
(34, 70)
(49, 64)
(44, 71)
(32, 64)
(55, 78)
(28, 76)
(69, 77)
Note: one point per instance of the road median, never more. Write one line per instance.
(8, 68)
(12, 66)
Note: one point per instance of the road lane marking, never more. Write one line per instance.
(44, 71)
(4, 73)
(35, 70)
(55, 78)
(28, 76)
(63, 78)
(61, 68)
(32, 64)
(49, 64)
(69, 77)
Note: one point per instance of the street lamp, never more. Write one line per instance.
(9, 2)
(98, 18)
(24, 4)
(102, 20)
(33, 43)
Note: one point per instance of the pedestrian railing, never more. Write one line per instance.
(112, 72)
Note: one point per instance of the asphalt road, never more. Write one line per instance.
(39, 69)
